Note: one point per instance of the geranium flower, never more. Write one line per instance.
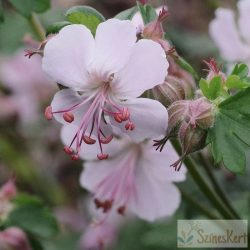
(232, 35)
(136, 178)
(105, 75)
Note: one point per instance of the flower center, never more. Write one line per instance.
(100, 105)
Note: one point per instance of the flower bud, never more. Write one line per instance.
(195, 112)
(214, 70)
(14, 239)
(172, 90)
(154, 30)
(192, 139)
(189, 120)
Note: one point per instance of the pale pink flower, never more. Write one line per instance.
(105, 75)
(136, 178)
(27, 83)
(232, 35)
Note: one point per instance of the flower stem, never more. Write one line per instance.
(198, 179)
(37, 27)
(217, 187)
(188, 198)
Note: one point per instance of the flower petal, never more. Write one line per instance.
(154, 198)
(66, 99)
(224, 32)
(67, 55)
(150, 118)
(244, 18)
(95, 171)
(146, 68)
(114, 40)
(158, 163)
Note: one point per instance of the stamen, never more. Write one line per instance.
(48, 113)
(107, 140)
(68, 117)
(75, 157)
(121, 210)
(129, 126)
(68, 150)
(125, 114)
(88, 140)
(102, 156)
(118, 117)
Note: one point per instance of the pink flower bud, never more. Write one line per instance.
(15, 239)
(214, 70)
(154, 30)
(170, 91)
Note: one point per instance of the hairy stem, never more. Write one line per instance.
(37, 27)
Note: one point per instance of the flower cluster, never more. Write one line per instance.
(106, 121)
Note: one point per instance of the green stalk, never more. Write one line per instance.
(37, 27)
(188, 198)
(198, 179)
(217, 187)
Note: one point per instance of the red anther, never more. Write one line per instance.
(68, 150)
(98, 203)
(125, 114)
(107, 205)
(75, 157)
(118, 117)
(68, 117)
(88, 140)
(48, 113)
(102, 156)
(107, 140)
(129, 126)
(121, 210)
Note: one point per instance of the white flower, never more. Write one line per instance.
(105, 75)
(135, 179)
(230, 35)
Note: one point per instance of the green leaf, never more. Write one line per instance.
(230, 135)
(56, 27)
(211, 89)
(1, 11)
(148, 12)
(127, 14)
(32, 216)
(85, 15)
(26, 7)
(186, 66)
(240, 70)
(235, 82)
